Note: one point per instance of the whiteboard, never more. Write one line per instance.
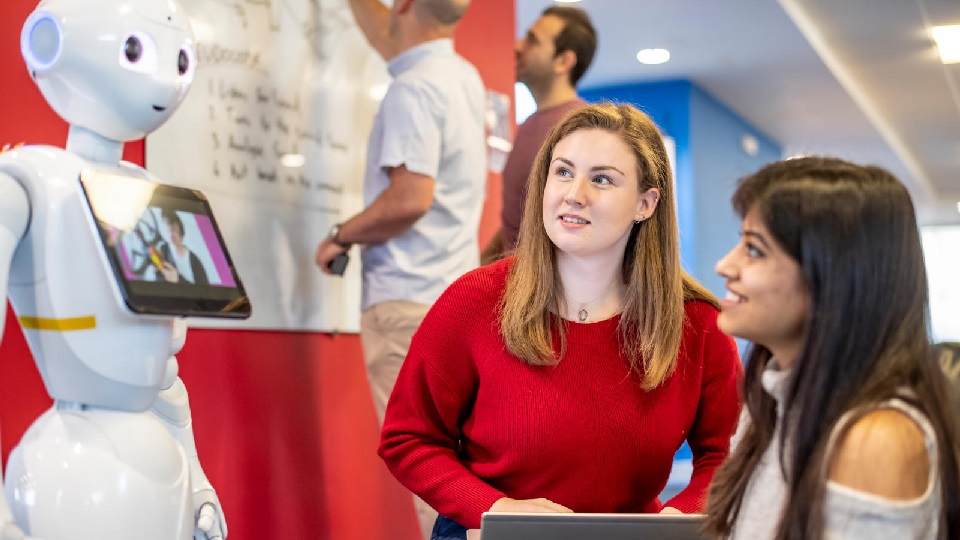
(274, 132)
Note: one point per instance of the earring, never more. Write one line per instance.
(637, 221)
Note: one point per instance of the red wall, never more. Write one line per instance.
(284, 422)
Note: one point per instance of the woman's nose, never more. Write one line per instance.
(724, 266)
(575, 193)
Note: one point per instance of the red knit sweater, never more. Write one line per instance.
(469, 423)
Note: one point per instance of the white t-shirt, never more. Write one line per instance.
(432, 121)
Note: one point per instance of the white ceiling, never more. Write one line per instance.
(859, 79)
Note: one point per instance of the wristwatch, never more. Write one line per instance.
(334, 236)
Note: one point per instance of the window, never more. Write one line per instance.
(941, 247)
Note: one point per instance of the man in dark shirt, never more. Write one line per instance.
(551, 58)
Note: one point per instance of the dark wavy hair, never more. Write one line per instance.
(173, 219)
(578, 35)
(853, 232)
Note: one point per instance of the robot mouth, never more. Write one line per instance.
(159, 108)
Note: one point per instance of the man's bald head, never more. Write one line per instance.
(443, 12)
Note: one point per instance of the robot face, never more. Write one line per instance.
(116, 67)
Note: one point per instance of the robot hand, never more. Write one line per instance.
(211, 524)
(172, 407)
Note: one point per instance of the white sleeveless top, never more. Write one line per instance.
(849, 513)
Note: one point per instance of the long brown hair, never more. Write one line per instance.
(852, 230)
(656, 286)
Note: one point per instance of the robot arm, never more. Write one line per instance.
(14, 216)
(173, 408)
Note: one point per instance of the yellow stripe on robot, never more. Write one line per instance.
(61, 325)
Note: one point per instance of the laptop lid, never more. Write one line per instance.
(517, 526)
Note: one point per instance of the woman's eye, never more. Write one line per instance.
(563, 171)
(603, 180)
(752, 251)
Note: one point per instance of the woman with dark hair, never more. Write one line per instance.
(847, 430)
(566, 378)
(181, 264)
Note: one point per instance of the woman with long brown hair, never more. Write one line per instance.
(847, 430)
(565, 378)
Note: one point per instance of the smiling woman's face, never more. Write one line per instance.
(766, 299)
(592, 195)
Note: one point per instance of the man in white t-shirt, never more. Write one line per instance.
(424, 185)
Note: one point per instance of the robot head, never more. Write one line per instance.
(116, 67)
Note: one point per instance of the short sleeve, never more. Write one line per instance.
(411, 129)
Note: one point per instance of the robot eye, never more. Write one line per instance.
(139, 53)
(186, 63)
(183, 62)
(133, 49)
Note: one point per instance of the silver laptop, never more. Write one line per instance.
(516, 526)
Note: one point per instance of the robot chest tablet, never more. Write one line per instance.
(162, 245)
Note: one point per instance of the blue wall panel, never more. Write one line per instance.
(709, 160)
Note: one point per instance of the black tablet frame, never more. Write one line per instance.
(159, 297)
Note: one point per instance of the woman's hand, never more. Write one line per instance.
(170, 273)
(506, 504)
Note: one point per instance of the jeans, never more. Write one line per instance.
(447, 529)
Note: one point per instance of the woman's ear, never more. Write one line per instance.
(648, 204)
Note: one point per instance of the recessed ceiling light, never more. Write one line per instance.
(958, 207)
(749, 144)
(566, 1)
(948, 42)
(653, 56)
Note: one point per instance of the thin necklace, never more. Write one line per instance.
(582, 313)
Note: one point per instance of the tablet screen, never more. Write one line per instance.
(164, 247)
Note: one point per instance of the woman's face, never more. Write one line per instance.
(592, 195)
(766, 299)
(176, 237)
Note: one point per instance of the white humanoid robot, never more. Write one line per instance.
(114, 457)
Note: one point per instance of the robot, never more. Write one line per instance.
(115, 456)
